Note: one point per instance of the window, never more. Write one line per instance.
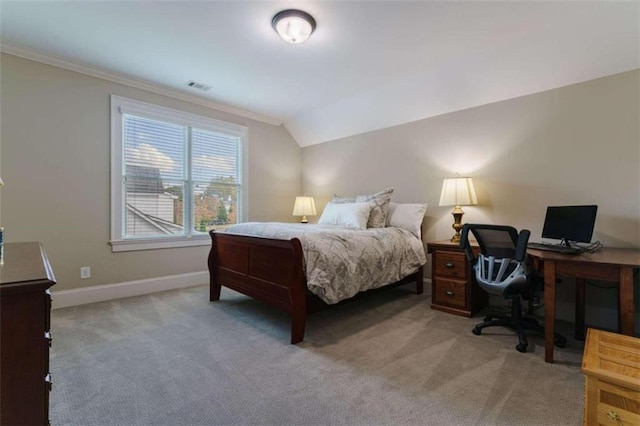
(174, 176)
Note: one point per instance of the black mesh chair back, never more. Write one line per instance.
(501, 268)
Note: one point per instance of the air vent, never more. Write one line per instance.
(198, 86)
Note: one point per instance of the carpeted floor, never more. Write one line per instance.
(174, 358)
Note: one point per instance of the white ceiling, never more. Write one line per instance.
(368, 65)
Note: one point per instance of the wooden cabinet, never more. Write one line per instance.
(25, 337)
(611, 365)
(453, 285)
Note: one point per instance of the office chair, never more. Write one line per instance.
(502, 269)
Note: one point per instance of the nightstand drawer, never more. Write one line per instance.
(450, 292)
(451, 265)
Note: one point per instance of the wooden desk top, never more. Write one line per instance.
(605, 256)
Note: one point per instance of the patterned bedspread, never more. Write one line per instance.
(340, 262)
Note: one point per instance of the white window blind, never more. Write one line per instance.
(180, 175)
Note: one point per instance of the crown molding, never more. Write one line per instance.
(126, 80)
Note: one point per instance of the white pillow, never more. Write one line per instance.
(379, 203)
(407, 216)
(351, 215)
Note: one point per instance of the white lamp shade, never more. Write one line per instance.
(458, 192)
(304, 206)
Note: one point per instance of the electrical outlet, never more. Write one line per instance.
(85, 272)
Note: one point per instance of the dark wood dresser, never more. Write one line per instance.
(25, 338)
(453, 285)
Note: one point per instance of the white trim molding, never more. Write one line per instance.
(158, 243)
(127, 80)
(100, 293)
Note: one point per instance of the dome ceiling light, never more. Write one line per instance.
(294, 26)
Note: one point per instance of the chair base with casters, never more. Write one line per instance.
(517, 323)
(502, 269)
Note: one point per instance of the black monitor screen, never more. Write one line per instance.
(570, 223)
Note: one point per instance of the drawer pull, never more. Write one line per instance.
(48, 338)
(449, 293)
(613, 416)
(449, 265)
(48, 381)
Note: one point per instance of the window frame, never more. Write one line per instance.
(121, 106)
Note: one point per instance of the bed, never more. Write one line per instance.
(278, 264)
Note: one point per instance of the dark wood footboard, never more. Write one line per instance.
(271, 271)
(266, 269)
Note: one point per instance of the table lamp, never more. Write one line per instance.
(304, 206)
(458, 192)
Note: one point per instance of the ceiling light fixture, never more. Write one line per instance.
(294, 26)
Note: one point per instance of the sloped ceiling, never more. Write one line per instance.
(368, 65)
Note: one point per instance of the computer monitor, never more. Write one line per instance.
(570, 223)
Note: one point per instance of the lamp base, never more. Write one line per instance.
(304, 220)
(457, 223)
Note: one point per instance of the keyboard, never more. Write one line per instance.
(555, 248)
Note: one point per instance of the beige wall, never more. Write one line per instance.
(575, 145)
(55, 162)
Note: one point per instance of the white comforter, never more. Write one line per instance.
(340, 262)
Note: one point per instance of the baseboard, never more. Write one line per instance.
(427, 286)
(100, 293)
(595, 316)
(601, 317)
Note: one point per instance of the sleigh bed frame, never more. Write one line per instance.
(270, 270)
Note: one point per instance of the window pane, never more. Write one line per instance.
(215, 206)
(154, 156)
(153, 214)
(215, 156)
(216, 174)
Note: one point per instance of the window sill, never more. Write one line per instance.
(153, 244)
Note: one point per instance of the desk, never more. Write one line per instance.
(607, 264)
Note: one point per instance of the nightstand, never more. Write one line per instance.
(453, 285)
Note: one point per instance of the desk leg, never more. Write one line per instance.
(549, 308)
(580, 301)
(626, 301)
